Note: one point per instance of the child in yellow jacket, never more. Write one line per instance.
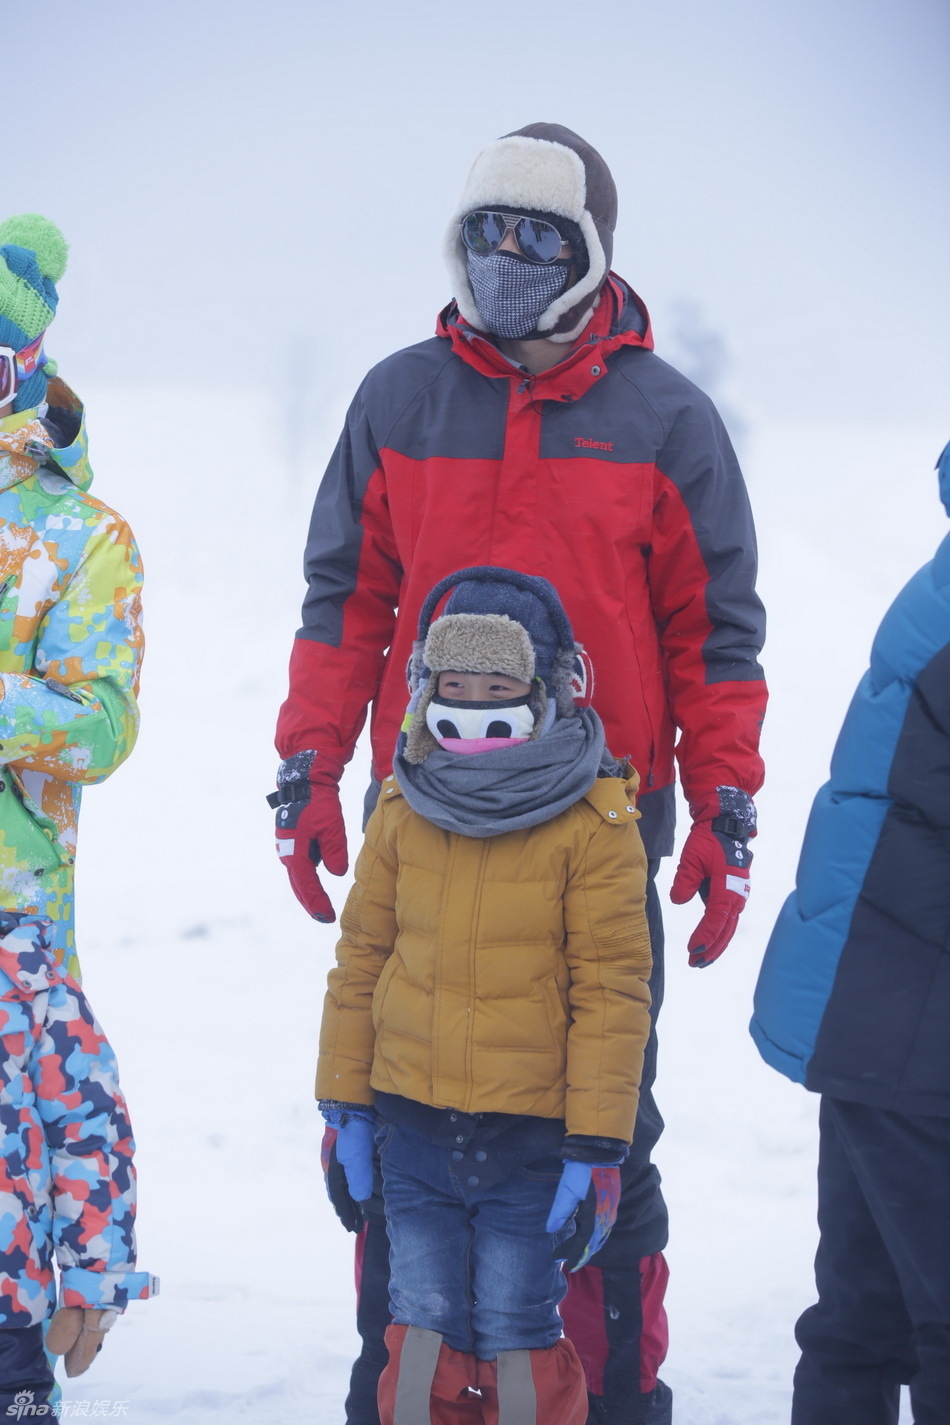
(486, 1021)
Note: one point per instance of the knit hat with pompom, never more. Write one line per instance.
(32, 260)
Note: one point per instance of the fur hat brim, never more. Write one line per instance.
(480, 643)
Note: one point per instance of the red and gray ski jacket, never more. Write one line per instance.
(611, 475)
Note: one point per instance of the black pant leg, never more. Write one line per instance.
(642, 1221)
(372, 1318)
(856, 1341)
(902, 1163)
(930, 1383)
(24, 1368)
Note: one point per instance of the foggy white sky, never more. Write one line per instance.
(250, 188)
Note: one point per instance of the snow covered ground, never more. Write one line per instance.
(209, 979)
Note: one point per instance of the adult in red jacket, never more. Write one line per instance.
(539, 431)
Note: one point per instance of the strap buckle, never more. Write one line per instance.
(288, 793)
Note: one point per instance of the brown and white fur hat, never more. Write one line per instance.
(544, 168)
(473, 643)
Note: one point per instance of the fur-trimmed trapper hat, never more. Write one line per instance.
(495, 621)
(480, 643)
(542, 169)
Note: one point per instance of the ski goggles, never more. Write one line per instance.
(483, 232)
(17, 366)
(505, 718)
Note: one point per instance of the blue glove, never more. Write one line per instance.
(577, 1179)
(571, 1191)
(354, 1146)
(354, 1151)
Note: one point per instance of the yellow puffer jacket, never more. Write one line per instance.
(504, 975)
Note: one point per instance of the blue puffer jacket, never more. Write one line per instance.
(853, 998)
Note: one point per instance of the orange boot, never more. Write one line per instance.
(426, 1381)
(544, 1387)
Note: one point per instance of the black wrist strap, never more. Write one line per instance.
(289, 792)
(731, 826)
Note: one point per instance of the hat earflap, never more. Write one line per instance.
(538, 703)
(564, 681)
(420, 740)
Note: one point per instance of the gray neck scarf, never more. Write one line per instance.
(516, 787)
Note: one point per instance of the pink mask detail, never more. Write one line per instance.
(468, 746)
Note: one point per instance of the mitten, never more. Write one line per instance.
(715, 862)
(355, 1145)
(77, 1334)
(310, 827)
(589, 1177)
(347, 1210)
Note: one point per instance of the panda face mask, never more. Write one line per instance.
(464, 726)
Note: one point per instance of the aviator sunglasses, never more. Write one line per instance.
(483, 232)
(16, 366)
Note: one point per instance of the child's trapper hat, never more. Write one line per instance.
(495, 621)
(33, 255)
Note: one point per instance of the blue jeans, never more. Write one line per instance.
(474, 1264)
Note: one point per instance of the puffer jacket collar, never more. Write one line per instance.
(621, 319)
(58, 441)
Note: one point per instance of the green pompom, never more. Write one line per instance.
(41, 236)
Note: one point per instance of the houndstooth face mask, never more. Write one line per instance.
(511, 292)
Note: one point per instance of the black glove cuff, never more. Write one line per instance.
(333, 1108)
(736, 817)
(601, 1152)
(293, 779)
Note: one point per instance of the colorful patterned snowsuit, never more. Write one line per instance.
(70, 652)
(67, 1183)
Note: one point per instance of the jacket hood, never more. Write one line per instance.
(56, 441)
(544, 168)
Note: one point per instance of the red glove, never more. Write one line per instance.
(715, 862)
(310, 827)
